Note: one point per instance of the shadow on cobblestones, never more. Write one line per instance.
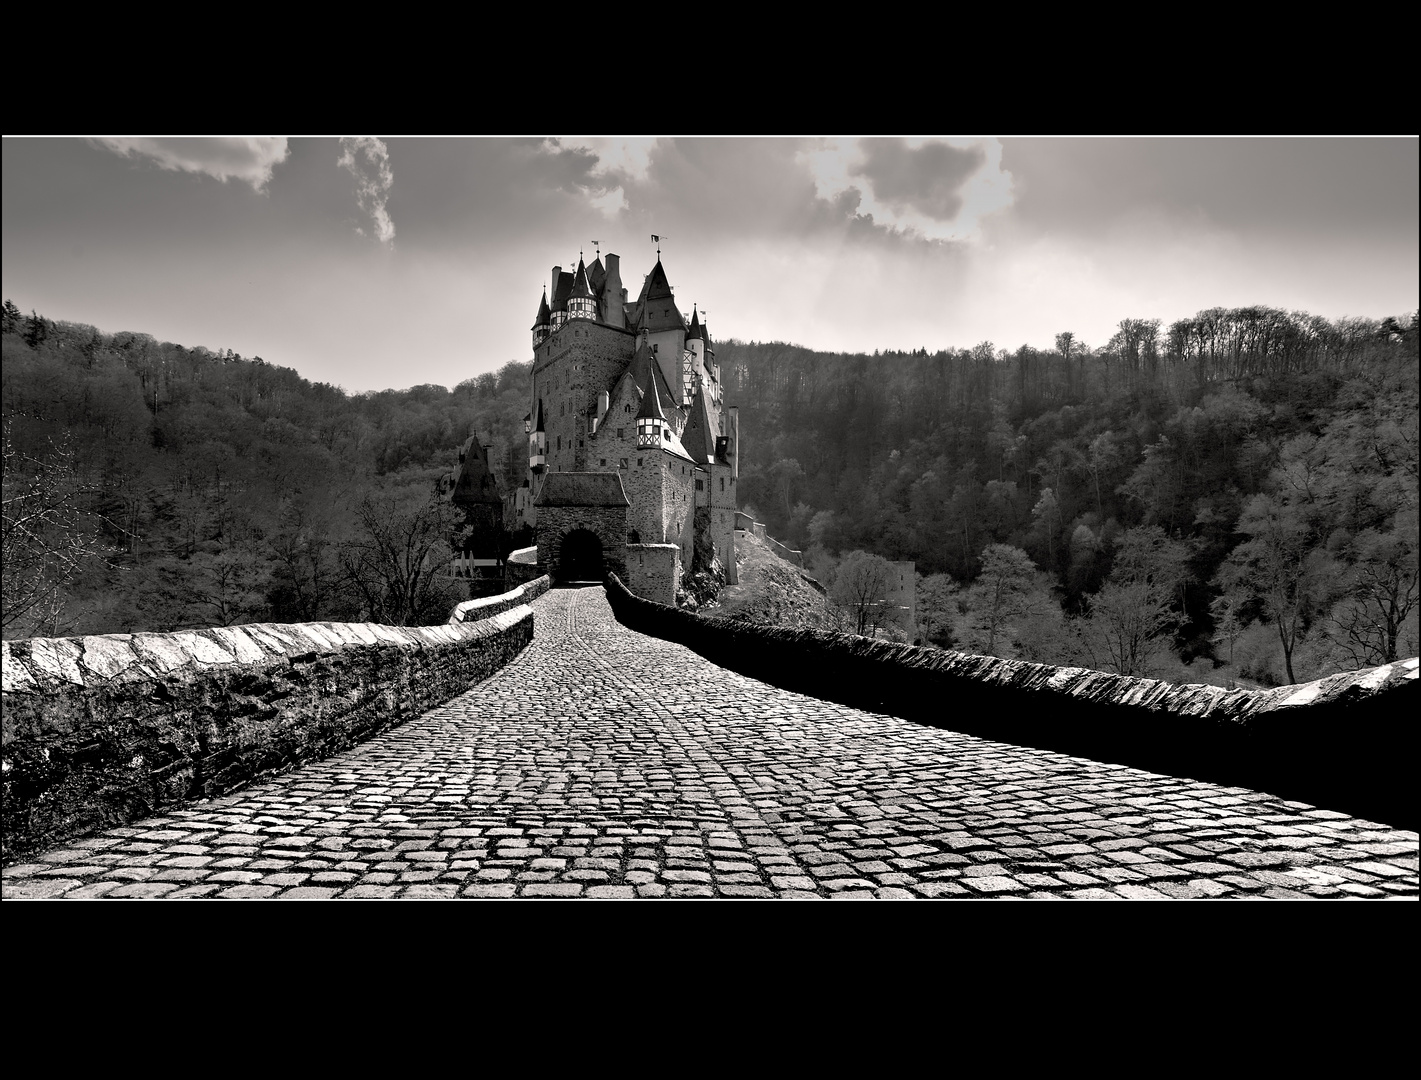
(1350, 754)
(603, 763)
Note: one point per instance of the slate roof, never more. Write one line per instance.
(655, 308)
(544, 315)
(645, 371)
(474, 482)
(580, 287)
(582, 489)
(651, 403)
(698, 436)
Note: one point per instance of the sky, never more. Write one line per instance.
(374, 262)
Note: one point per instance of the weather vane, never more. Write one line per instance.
(656, 239)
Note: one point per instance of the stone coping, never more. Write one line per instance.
(486, 606)
(1345, 742)
(102, 730)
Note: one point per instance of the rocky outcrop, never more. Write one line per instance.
(1347, 742)
(98, 731)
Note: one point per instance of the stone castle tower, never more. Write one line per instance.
(632, 452)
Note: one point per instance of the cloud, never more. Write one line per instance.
(249, 160)
(928, 178)
(939, 189)
(367, 159)
(605, 168)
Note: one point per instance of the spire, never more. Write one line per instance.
(695, 331)
(581, 302)
(651, 403)
(544, 315)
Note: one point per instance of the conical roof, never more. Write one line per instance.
(695, 330)
(580, 287)
(544, 315)
(651, 402)
(698, 436)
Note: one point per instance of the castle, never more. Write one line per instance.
(632, 452)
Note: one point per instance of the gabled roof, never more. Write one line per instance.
(655, 308)
(544, 315)
(582, 489)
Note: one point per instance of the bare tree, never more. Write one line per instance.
(48, 539)
(861, 587)
(396, 563)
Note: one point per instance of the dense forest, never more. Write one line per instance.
(167, 487)
(1231, 498)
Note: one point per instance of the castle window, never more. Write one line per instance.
(722, 483)
(619, 430)
(700, 485)
(624, 463)
(638, 461)
(604, 463)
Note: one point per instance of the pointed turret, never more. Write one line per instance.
(581, 302)
(543, 324)
(694, 333)
(650, 420)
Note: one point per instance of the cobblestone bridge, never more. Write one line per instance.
(604, 763)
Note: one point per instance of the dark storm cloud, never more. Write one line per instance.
(739, 187)
(928, 178)
(455, 191)
(1286, 187)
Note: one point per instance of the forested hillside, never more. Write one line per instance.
(168, 487)
(1236, 489)
(1231, 498)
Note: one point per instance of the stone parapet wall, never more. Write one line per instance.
(485, 607)
(100, 731)
(521, 567)
(1346, 743)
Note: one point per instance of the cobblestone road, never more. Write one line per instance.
(603, 763)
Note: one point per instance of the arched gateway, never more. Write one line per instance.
(582, 526)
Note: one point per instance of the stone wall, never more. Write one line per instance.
(485, 607)
(748, 524)
(99, 731)
(521, 567)
(654, 571)
(1345, 743)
